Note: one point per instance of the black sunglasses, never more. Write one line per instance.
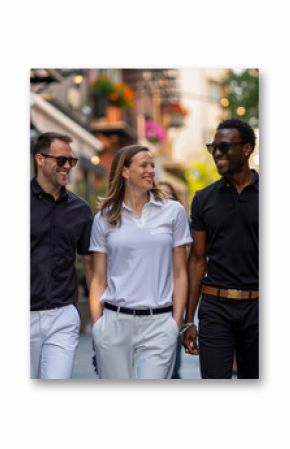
(62, 160)
(223, 146)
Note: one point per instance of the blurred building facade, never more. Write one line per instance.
(71, 101)
(174, 112)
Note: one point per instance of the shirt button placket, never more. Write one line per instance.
(53, 235)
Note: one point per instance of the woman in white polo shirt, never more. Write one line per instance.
(138, 291)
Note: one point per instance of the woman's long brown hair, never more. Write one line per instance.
(111, 205)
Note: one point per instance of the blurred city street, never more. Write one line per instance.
(84, 369)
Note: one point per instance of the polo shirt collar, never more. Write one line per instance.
(255, 181)
(38, 191)
(152, 201)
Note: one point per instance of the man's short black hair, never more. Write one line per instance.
(246, 131)
(45, 140)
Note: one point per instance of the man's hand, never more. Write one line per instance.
(190, 341)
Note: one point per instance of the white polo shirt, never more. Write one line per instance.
(139, 252)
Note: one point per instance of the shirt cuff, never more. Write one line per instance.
(98, 249)
(182, 242)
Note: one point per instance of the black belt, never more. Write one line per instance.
(39, 309)
(138, 311)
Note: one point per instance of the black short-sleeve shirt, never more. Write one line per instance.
(59, 229)
(231, 222)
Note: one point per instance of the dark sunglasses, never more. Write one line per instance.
(62, 160)
(223, 146)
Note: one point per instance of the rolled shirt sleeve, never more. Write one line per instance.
(181, 229)
(84, 239)
(98, 236)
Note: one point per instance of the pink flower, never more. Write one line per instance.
(154, 132)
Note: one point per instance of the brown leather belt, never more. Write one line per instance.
(230, 293)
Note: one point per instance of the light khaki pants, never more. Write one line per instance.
(135, 347)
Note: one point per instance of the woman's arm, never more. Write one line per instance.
(98, 284)
(179, 283)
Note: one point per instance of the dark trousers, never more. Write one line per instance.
(227, 326)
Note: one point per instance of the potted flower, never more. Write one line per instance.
(122, 96)
(176, 108)
(154, 131)
(109, 96)
(176, 113)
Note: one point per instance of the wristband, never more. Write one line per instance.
(186, 326)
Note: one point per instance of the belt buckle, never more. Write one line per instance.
(234, 294)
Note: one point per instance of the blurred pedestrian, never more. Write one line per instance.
(139, 286)
(60, 226)
(223, 262)
(168, 190)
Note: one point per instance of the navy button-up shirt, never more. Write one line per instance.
(59, 229)
(231, 222)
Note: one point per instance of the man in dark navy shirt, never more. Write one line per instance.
(223, 262)
(60, 227)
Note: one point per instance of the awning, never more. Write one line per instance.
(47, 118)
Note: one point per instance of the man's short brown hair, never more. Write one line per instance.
(45, 140)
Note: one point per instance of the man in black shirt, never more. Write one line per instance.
(60, 226)
(223, 262)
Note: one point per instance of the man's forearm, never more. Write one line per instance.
(179, 297)
(88, 268)
(196, 270)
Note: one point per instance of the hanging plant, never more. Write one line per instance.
(154, 131)
(176, 109)
(103, 85)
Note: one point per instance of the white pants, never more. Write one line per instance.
(135, 347)
(54, 336)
